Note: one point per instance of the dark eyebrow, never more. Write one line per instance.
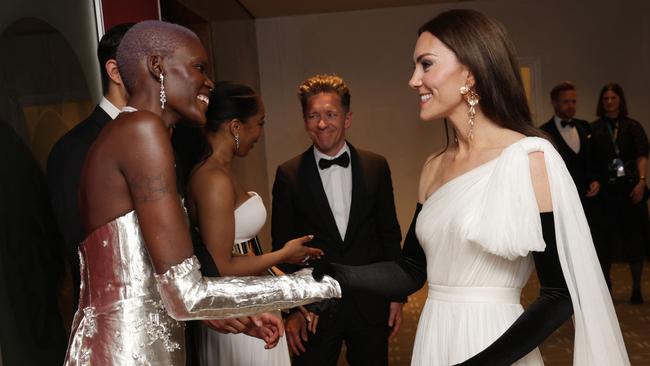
(419, 58)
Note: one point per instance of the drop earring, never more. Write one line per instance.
(471, 98)
(236, 141)
(163, 96)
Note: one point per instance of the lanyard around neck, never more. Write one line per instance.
(614, 135)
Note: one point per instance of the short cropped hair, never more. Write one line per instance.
(107, 49)
(324, 83)
(147, 38)
(559, 88)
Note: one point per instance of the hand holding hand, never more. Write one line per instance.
(233, 325)
(266, 327)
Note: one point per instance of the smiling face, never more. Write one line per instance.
(187, 84)
(326, 122)
(437, 78)
(251, 130)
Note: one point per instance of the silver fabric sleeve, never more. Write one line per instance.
(188, 295)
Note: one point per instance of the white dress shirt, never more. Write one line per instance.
(569, 134)
(109, 108)
(337, 183)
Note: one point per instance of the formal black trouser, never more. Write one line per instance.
(366, 344)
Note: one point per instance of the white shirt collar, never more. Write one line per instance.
(109, 108)
(319, 155)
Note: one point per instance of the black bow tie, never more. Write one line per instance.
(564, 123)
(343, 160)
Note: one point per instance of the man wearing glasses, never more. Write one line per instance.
(344, 197)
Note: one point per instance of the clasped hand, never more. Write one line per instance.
(264, 326)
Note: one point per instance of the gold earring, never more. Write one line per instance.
(471, 98)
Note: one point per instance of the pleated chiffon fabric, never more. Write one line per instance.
(478, 232)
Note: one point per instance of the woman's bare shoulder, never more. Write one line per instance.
(429, 171)
(210, 179)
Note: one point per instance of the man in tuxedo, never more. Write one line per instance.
(68, 154)
(572, 138)
(344, 197)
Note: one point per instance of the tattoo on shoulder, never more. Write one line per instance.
(148, 188)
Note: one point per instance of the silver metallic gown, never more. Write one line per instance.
(129, 316)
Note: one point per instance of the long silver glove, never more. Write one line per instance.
(188, 295)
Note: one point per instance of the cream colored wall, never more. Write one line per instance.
(235, 59)
(588, 42)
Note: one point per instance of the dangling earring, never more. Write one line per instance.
(236, 141)
(471, 98)
(163, 96)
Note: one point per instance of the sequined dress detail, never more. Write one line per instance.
(121, 319)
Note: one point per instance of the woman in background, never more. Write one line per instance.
(621, 154)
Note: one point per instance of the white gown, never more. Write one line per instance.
(218, 349)
(477, 232)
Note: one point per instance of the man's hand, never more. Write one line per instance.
(395, 318)
(296, 326)
(594, 188)
(311, 318)
(637, 193)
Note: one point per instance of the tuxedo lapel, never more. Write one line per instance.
(582, 134)
(316, 194)
(357, 201)
(562, 144)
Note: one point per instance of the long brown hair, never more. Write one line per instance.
(616, 89)
(481, 44)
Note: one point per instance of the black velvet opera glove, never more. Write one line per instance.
(551, 309)
(394, 280)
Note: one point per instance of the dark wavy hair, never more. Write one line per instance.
(228, 101)
(614, 87)
(482, 44)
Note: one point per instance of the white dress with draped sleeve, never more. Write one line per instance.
(478, 232)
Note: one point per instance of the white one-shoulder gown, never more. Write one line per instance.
(478, 231)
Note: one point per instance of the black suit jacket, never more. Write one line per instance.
(300, 207)
(581, 165)
(63, 169)
(31, 262)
